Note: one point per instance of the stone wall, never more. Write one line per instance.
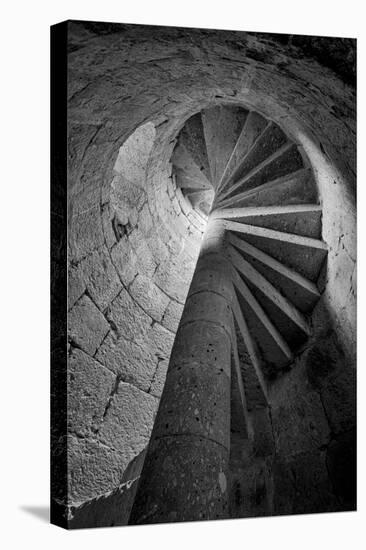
(127, 287)
(133, 244)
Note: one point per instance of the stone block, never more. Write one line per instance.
(129, 420)
(107, 217)
(85, 198)
(134, 153)
(133, 362)
(173, 281)
(158, 381)
(126, 195)
(109, 510)
(86, 233)
(172, 316)
(75, 285)
(145, 220)
(87, 327)
(89, 388)
(158, 248)
(161, 341)
(128, 318)
(94, 468)
(125, 260)
(145, 261)
(101, 278)
(149, 297)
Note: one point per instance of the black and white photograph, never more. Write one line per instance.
(211, 274)
(182, 245)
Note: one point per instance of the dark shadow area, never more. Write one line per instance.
(40, 512)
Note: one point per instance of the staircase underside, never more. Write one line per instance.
(244, 172)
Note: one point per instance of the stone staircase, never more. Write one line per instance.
(237, 169)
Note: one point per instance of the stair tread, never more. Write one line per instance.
(298, 289)
(268, 142)
(302, 219)
(192, 137)
(230, 213)
(249, 344)
(185, 181)
(239, 182)
(222, 126)
(283, 162)
(294, 188)
(183, 160)
(239, 382)
(275, 235)
(303, 254)
(253, 127)
(262, 316)
(268, 289)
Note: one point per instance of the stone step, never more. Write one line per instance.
(239, 414)
(253, 391)
(299, 219)
(183, 160)
(296, 188)
(285, 160)
(185, 181)
(202, 200)
(249, 344)
(273, 346)
(268, 142)
(253, 127)
(266, 288)
(222, 127)
(299, 290)
(294, 335)
(193, 138)
(303, 254)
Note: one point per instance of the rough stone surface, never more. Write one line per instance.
(76, 286)
(193, 467)
(133, 362)
(101, 278)
(172, 315)
(194, 413)
(90, 386)
(127, 318)
(96, 469)
(149, 296)
(87, 325)
(126, 425)
(158, 381)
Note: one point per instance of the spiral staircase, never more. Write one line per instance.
(236, 168)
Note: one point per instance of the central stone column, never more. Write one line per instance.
(186, 468)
